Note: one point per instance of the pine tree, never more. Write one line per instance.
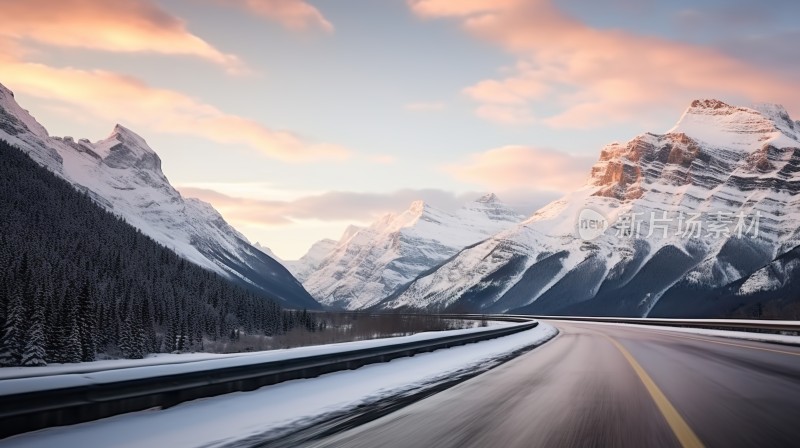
(54, 331)
(86, 323)
(126, 344)
(11, 343)
(148, 327)
(131, 341)
(182, 339)
(72, 343)
(34, 353)
(71, 348)
(170, 335)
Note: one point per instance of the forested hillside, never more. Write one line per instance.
(76, 281)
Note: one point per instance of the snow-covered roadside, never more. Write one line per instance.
(221, 420)
(157, 364)
(153, 359)
(746, 335)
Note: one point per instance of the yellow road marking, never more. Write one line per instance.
(735, 345)
(683, 432)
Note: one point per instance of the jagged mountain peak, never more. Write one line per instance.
(773, 110)
(125, 148)
(15, 120)
(777, 113)
(709, 103)
(418, 207)
(488, 206)
(125, 135)
(488, 198)
(6, 95)
(488, 203)
(349, 232)
(419, 213)
(5, 90)
(745, 129)
(712, 143)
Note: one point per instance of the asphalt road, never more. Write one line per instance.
(609, 386)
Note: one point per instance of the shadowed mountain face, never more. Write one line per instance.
(123, 174)
(691, 218)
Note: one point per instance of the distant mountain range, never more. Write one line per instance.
(368, 264)
(123, 174)
(701, 220)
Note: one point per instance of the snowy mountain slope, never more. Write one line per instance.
(267, 251)
(312, 260)
(123, 174)
(368, 264)
(742, 162)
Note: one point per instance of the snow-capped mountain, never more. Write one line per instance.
(123, 174)
(369, 264)
(666, 219)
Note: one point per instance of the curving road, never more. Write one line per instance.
(609, 385)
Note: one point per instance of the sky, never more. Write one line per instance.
(297, 118)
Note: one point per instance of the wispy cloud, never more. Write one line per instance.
(523, 168)
(459, 8)
(111, 96)
(296, 15)
(138, 26)
(595, 76)
(329, 206)
(130, 26)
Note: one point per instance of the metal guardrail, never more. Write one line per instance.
(32, 410)
(774, 326)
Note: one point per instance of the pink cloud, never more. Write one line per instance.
(113, 97)
(330, 206)
(445, 8)
(130, 26)
(515, 90)
(595, 76)
(523, 168)
(296, 15)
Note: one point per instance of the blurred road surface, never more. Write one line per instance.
(609, 386)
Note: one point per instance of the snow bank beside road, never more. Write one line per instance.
(225, 419)
(62, 377)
